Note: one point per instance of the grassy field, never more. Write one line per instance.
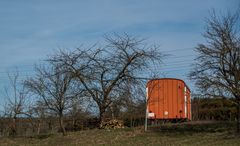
(201, 134)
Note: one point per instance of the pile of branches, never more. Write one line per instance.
(112, 124)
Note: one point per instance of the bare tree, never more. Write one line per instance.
(104, 71)
(16, 101)
(217, 71)
(37, 113)
(55, 89)
(134, 104)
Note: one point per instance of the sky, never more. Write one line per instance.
(30, 30)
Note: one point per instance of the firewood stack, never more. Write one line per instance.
(112, 124)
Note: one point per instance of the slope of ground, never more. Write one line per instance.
(216, 134)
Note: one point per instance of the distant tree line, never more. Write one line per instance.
(221, 109)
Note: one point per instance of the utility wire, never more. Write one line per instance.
(165, 66)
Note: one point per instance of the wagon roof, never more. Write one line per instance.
(169, 79)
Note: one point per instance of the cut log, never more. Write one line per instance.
(112, 124)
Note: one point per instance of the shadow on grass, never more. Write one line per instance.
(191, 127)
(41, 136)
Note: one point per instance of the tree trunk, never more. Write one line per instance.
(62, 125)
(238, 117)
(73, 123)
(38, 128)
(101, 115)
(112, 111)
(50, 126)
(14, 127)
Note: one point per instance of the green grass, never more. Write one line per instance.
(212, 134)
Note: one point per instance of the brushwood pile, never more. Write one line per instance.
(112, 124)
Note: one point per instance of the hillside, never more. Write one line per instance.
(170, 134)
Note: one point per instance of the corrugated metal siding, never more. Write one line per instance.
(167, 99)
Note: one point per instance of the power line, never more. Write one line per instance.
(186, 60)
(172, 65)
(174, 50)
(165, 65)
(166, 68)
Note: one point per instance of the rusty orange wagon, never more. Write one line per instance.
(168, 99)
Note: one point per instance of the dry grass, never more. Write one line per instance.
(167, 135)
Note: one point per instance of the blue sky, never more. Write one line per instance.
(30, 29)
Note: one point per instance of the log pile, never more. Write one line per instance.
(112, 124)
